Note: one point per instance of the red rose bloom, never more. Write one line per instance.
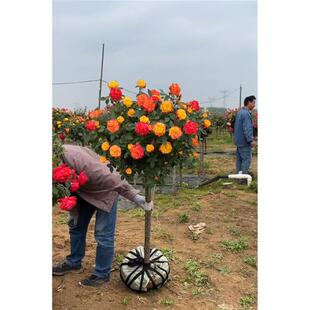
(62, 136)
(116, 94)
(67, 203)
(190, 128)
(137, 151)
(195, 105)
(61, 174)
(91, 125)
(74, 186)
(83, 178)
(142, 129)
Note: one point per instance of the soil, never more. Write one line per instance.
(230, 213)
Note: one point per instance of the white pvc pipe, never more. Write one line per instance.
(241, 176)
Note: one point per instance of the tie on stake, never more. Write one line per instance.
(143, 268)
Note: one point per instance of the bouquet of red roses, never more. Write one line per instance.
(65, 180)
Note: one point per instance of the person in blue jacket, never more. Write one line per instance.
(243, 135)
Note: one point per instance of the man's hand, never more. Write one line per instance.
(253, 144)
(140, 201)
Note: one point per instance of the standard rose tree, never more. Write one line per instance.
(150, 134)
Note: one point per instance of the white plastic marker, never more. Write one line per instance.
(241, 176)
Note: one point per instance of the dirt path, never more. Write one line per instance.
(217, 271)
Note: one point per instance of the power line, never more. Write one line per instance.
(90, 81)
(75, 82)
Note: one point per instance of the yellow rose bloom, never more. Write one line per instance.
(128, 171)
(129, 146)
(205, 114)
(127, 101)
(141, 83)
(131, 112)
(59, 122)
(105, 146)
(66, 119)
(181, 114)
(207, 123)
(189, 110)
(166, 148)
(120, 119)
(150, 148)
(166, 106)
(103, 159)
(159, 129)
(144, 119)
(113, 84)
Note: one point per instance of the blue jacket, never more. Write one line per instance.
(243, 129)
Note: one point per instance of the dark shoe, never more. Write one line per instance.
(62, 268)
(94, 281)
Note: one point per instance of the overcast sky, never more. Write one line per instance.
(207, 47)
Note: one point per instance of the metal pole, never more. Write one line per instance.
(101, 73)
(240, 97)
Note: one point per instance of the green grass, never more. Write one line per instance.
(247, 301)
(62, 219)
(169, 253)
(197, 291)
(195, 236)
(125, 301)
(119, 258)
(167, 302)
(184, 218)
(252, 261)
(253, 187)
(235, 246)
(194, 274)
(213, 260)
(162, 234)
(196, 207)
(225, 270)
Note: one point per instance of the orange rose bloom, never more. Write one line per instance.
(195, 142)
(103, 159)
(166, 107)
(159, 129)
(141, 99)
(131, 112)
(113, 125)
(115, 151)
(128, 171)
(120, 119)
(95, 114)
(149, 105)
(175, 132)
(175, 89)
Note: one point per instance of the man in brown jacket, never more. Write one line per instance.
(99, 195)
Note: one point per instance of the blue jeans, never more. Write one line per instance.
(244, 158)
(104, 235)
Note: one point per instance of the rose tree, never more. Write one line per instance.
(151, 134)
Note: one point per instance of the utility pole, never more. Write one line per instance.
(240, 96)
(224, 92)
(101, 73)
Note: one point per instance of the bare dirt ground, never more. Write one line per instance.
(215, 271)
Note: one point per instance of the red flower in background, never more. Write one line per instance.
(74, 186)
(61, 174)
(91, 125)
(141, 99)
(116, 94)
(67, 203)
(190, 128)
(137, 151)
(62, 136)
(142, 129)
(83, 178)
(195, 105)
